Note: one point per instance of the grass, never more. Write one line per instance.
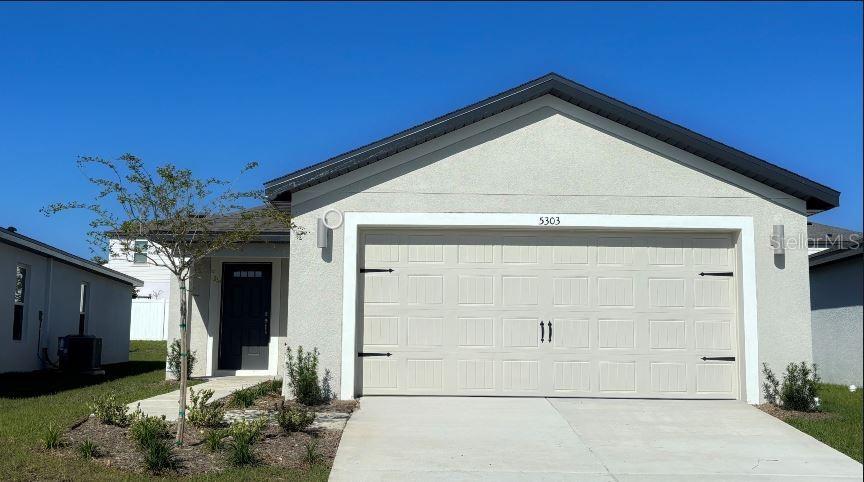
(30, 403)
(843, 430)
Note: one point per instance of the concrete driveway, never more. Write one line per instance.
(442, 438)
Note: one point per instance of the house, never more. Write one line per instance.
(546, 241)
(151, 305)
(51, 293)
(836, 299)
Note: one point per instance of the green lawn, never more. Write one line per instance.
(30, 402)
(843, 430)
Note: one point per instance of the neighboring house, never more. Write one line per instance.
(151, 306)
(547, 241)
(49, 293)
(156, 277)
(836, 299)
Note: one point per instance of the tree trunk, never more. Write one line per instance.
(184, 353)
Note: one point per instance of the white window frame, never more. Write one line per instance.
(741, 225)
(135, 251)
(25, 303)
(84, 296)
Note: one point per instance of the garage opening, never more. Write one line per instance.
(549, 313)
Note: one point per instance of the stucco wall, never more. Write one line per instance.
(549, 157)
(109, 310)
(837, 296)
(198, 311)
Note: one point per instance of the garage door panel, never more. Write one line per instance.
(630, 316)
(520, 332)
(474, 332)
(667, 334)
(424, 331)
(714, 334)
(615, 292)
(571, 334)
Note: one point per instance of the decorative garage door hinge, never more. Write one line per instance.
(724, 273)
(366, 353)
(376, 270)
(718, 358)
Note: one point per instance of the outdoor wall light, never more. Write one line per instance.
(323, 231)
(778, 243)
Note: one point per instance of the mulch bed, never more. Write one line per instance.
(784, 415)
(269, 401)
(275, 447)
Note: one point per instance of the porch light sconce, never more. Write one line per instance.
(323, 232)
(778, 242)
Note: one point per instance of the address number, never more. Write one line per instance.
(550, 220)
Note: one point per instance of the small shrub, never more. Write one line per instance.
(174, 358)
(311, 455)
(204, 413)
(302, 373)
(294, 419)
(158, 456)
(771, 386)
(245, 397)
(243, 436)
(274, 386)
(51, 439)
(146, 431)
(214, 440)
(110, 411)
(800, 388)
(88, 450)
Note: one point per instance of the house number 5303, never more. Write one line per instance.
(550, 220)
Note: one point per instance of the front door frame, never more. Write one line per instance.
(745, 244)
(215, 308)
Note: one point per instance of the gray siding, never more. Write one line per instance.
(836, 297)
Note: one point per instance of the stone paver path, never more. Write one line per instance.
(166, 404)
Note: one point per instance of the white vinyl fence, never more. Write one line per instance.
(149, 318)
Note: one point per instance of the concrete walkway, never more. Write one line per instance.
(441, 438)
(167, 403)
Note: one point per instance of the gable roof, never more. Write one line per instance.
(817, 196)
(823, 235)
(269, 230)
(13, 238)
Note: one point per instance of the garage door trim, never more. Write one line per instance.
(742, 225)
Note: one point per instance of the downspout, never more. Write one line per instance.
(43, 342)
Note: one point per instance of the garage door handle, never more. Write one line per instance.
(550, 330)
(723, 273)
(367, 353)
(718, 358)
(542, 332)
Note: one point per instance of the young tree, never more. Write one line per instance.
(175, 211)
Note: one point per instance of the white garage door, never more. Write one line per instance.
(612, 314)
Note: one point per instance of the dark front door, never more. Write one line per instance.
(244, 334)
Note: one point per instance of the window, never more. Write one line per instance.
(141, 252)
(82, 308)
(19, 308)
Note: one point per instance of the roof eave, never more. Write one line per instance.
(817, 197)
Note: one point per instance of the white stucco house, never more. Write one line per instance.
(546, 241)
(49, 293)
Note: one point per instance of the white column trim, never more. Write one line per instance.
(743, 225)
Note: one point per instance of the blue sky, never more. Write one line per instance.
(212, 86)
